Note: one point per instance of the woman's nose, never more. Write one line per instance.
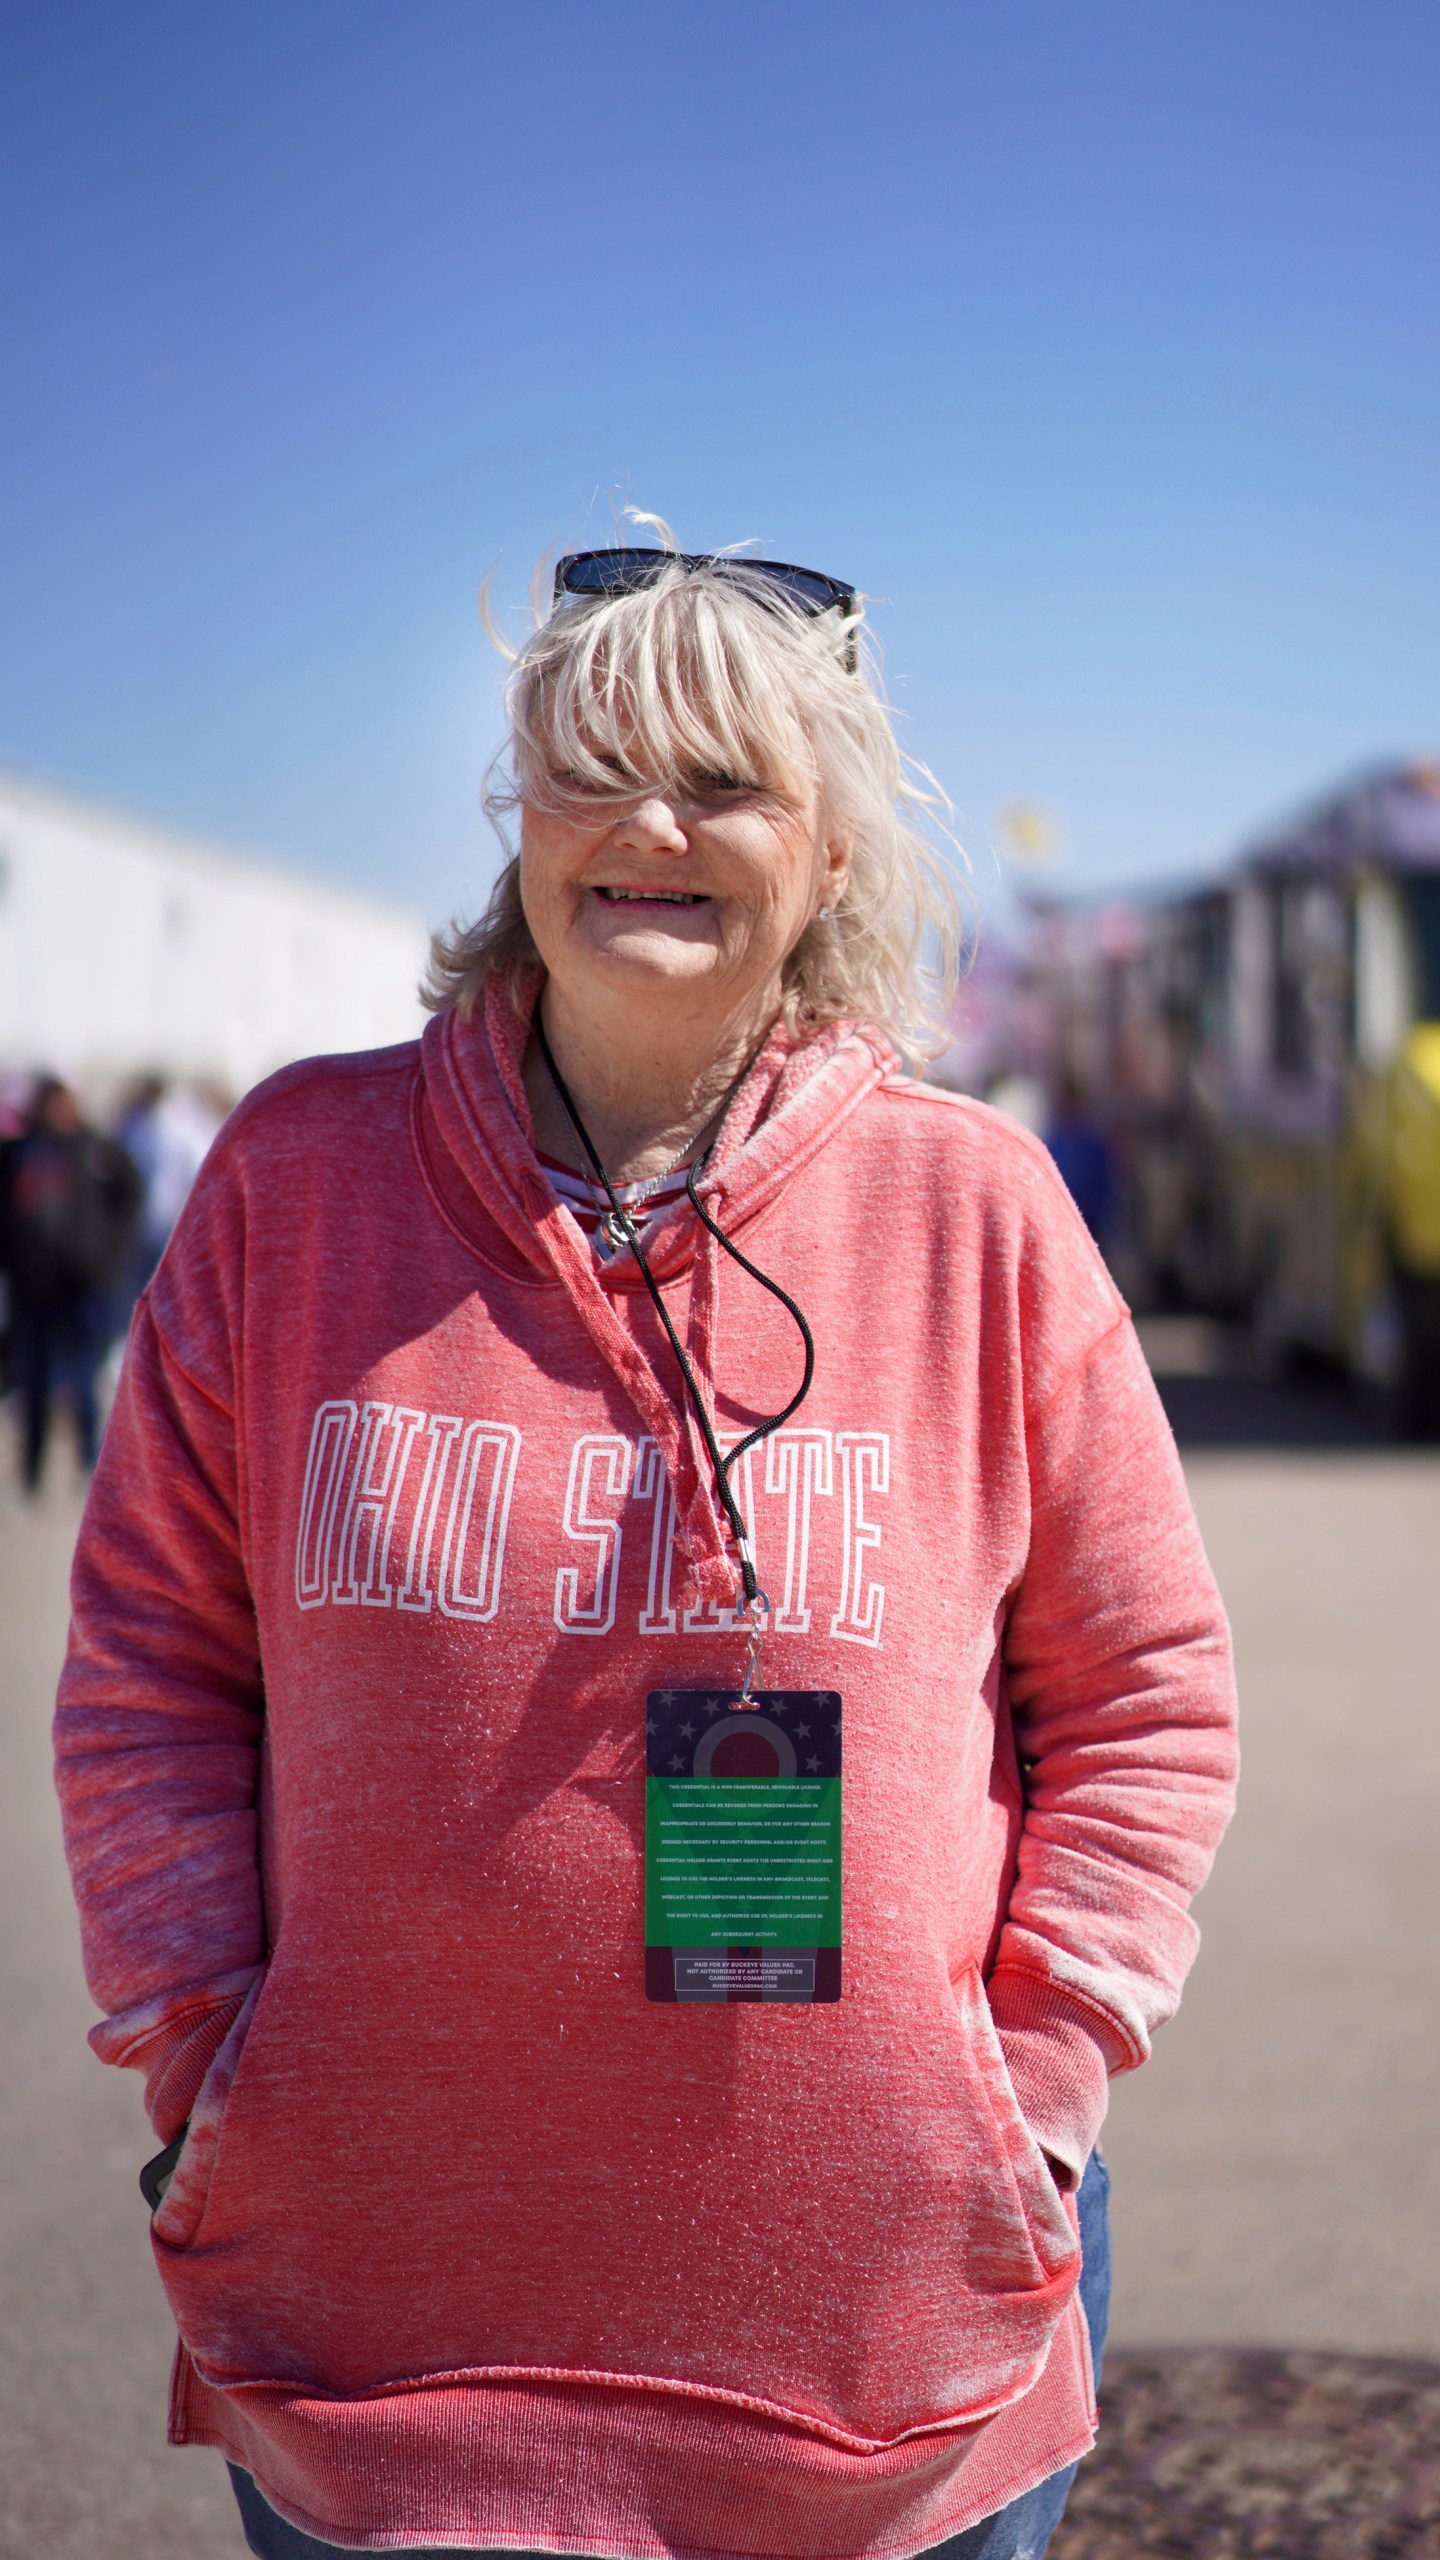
(651, 826)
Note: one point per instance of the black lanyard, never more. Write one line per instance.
(627, 1227)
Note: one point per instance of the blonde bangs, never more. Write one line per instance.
(669, 685)
(708, 672)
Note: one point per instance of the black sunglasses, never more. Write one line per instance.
(624, 571)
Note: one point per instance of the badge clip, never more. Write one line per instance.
(758, 1609)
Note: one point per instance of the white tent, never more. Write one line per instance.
(124, 949)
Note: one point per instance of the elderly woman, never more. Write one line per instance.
(592, 1495)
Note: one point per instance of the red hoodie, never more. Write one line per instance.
(470, 2243)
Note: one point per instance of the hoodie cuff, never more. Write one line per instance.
(173, 2082)
(174, 2052)
(1059, 2055)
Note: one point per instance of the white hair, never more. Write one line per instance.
(709, 670)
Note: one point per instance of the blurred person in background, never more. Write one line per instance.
(512, 2199)
(69, 1204)
(167, 1130)
(1082, 1153)
(15, 1094)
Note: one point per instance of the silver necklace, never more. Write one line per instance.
(612, 1227)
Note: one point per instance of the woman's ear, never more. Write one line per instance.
(839, 852)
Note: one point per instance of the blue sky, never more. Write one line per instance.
(1097, 342)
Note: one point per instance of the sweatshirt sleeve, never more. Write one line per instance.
(158, 1727)
(1122, 1692)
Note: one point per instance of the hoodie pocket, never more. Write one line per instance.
(933, 2255)
(1026, 2237)
(177, 2218)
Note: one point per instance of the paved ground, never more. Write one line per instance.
(1277, 2165)
(84, 2332)
(1277, 2169)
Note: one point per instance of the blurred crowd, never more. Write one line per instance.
(85, 1215)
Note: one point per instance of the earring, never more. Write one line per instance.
(825, 914)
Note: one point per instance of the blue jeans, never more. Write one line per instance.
(1020, 2531)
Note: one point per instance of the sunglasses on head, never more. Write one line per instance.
(624, 571)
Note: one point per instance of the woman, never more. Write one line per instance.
(559, 2175)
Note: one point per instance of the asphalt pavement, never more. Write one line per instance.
(1276, 2175)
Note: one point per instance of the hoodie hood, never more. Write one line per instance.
(794, 1099)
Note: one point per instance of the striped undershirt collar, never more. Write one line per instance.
(579, 1199)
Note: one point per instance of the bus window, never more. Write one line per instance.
(1383, 997)
(1249, 977)
(1309, 977)
(1288, 1048)
(1422, 900)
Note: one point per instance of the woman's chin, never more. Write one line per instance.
(652, 952)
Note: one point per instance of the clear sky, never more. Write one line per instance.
(1096, 340)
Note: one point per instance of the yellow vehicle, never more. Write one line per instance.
(1266, 1054)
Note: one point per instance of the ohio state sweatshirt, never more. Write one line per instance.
(398, 1521)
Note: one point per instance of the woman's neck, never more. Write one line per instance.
(644, 1100)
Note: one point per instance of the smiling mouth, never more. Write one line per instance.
(653, 897)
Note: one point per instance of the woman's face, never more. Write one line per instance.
(700, 891)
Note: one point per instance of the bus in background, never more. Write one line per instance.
(1265, 1053)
